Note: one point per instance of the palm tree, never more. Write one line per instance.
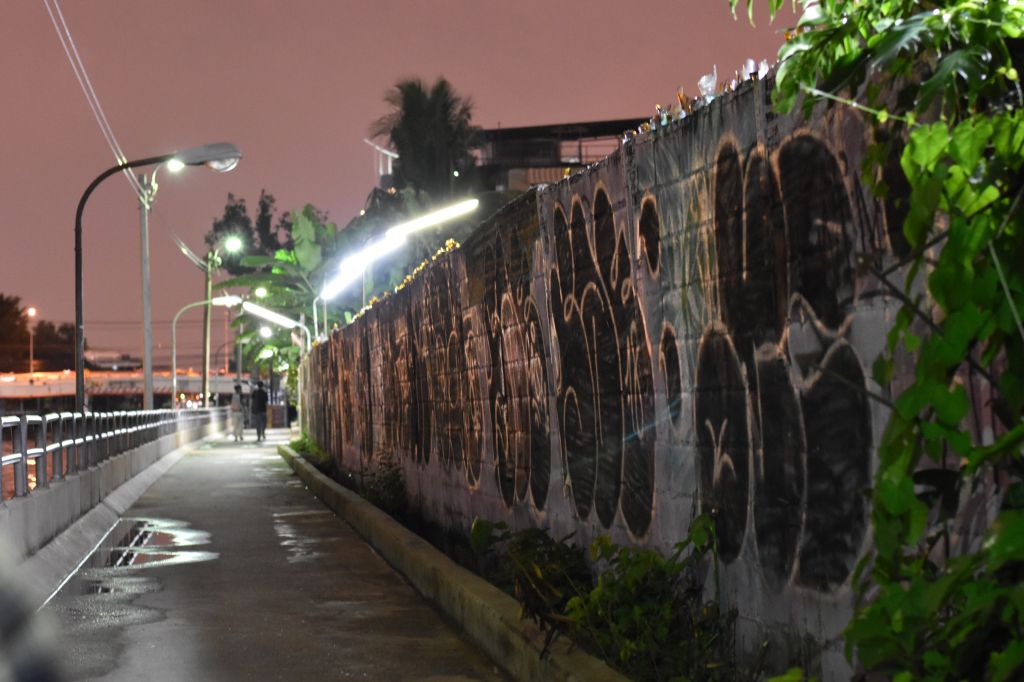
(432, 133)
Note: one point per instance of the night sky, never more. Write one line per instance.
(296, 86)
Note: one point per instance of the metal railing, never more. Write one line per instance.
(40, 449)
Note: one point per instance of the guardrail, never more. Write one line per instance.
(40, 449)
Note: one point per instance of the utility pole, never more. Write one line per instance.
(211, 260)
(145, 201)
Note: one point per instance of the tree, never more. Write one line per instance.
(54, 345)
(13, 335)
(939, 84)
(432, 134)
(260, 236)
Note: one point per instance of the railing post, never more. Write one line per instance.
(59, 451)
(41, 454)
(21, 466)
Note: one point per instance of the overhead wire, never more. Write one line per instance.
(78, 67)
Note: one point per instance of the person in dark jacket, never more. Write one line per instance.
(258, 409)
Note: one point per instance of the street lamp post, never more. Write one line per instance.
(220, 156)
(226, 301)
(232, 244)
(31, 312)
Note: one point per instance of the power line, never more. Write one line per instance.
(75, 60)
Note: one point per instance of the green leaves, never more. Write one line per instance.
(933, 614)
(647, 615)
(308, 252)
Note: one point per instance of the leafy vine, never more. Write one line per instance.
(939, 82)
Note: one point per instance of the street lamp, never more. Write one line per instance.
(225, 301)
(276, 318)
(354, 267)
(31, 313)
(219, 156)
(232, 244)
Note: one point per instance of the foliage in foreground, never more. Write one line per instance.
(646, 616)
(939, 82)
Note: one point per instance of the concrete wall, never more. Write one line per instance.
(682, 327)
(29, 522)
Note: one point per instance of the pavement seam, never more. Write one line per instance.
(488, 617)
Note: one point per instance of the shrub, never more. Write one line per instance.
(647, 615)
(543, 573)
(314, 454)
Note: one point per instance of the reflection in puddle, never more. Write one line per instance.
(136, 544)
(146, 543)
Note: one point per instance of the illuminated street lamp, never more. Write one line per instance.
(232, 244)
(220, 157)
(224, 301)
(276, 318)
(354, 267)
(31, 313)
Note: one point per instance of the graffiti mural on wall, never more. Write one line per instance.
(605, 394)
(778, 385)
(683, 310)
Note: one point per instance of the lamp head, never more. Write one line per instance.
(227, 301)
(219, 156)
(31, 312)
(233, 244)
(265, 332)
(260, 292)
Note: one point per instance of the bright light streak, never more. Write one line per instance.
(353, 267)
(266, 353)
(226, 301)
(435, 218)
(269, 315)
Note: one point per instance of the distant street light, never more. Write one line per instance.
(224, 301)
(232, 244)
(276, 318)
(220, 157)
(31, 313)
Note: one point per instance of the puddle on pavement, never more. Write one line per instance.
(135, 544)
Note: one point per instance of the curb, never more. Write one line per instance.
(488, 617)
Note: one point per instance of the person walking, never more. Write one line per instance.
(235, 410)
(258, 406)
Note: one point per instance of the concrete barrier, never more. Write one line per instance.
(488, 617)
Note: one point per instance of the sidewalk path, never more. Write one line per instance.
(239, 573)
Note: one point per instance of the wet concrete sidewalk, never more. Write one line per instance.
(229, 569)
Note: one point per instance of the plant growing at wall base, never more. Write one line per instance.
(648, 616)
(939, 82)
(312, 452)
(384, 486)
(544, 573)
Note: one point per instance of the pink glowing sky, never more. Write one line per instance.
(295, 85)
